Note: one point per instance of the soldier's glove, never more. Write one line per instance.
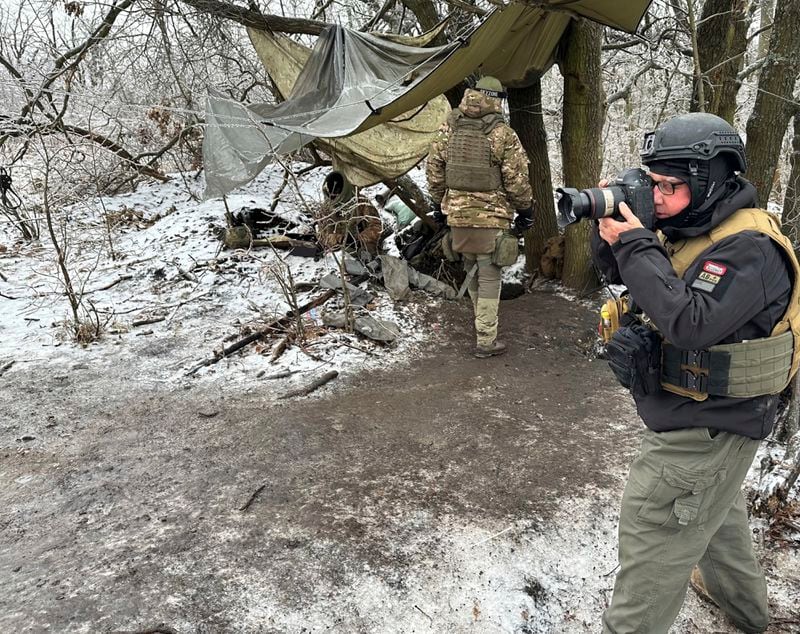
(634, 356)
(523, 221)
(438, 215)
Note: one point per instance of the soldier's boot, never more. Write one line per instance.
(492, 350)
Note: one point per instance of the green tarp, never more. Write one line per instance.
(353, 82)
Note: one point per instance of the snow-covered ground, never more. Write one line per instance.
(169, 266)
(487, 577)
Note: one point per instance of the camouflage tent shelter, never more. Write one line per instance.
(373, 102)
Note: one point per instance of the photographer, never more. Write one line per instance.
(716, 286)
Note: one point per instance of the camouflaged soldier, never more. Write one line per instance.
(477, 174)
(719, 284)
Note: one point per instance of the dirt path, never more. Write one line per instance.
(451, 494)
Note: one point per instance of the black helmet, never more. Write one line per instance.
(694, 136)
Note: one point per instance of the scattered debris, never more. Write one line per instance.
(161, 628)
(398, 275)
(376, 329)
(358, 296)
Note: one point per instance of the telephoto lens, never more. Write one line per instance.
(594, 202)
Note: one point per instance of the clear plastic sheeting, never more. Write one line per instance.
(331, 98)
(363, 157)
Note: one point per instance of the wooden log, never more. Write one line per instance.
(314, 385)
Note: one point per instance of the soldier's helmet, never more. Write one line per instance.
(696, 136)
(491, 87)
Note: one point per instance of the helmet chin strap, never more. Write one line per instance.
(694, 186)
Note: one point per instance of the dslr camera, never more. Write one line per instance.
(633, 186)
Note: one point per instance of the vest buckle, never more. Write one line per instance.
(695, 382)
(696, 358)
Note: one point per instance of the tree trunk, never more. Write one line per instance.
(766, 13)
(410, 193)
(525, 107)
(426, 14)
(256, 19)
(774, 103)
(581, 134)
(721, 43)
(791, 202)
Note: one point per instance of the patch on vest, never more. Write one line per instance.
(714, 268)
(712, 278)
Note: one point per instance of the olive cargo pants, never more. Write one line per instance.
(683, 506)
(484, 289)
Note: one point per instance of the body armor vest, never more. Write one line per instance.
(742, 370)
(469, 154)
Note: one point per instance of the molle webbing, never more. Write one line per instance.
(469, 155)
(739, 370)
(746, 369)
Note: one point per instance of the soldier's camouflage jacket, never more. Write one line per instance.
(487, 209)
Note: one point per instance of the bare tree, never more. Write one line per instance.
(525, 108)
(721, 43)
(791, 202)
(581, 138)
(774, 104)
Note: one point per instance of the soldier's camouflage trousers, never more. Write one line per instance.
(484, 290)
(683, 506)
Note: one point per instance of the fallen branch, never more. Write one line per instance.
(186, 301)
(278, 375)
(121, 278)
(280, 348)
(6, 367)
(275, 325)
(350, 345)
(145, 322)
(252, 498)
(314, 385)
(236, 240)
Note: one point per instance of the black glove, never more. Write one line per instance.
(634, 355)
(523, 221)
(438, 215)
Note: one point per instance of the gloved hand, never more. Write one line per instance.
(438, 215)
(634, 356)
(523, 220)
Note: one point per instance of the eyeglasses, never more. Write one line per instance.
(667, 188)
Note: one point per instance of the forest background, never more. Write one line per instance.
(101, 129)
(97, 98)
